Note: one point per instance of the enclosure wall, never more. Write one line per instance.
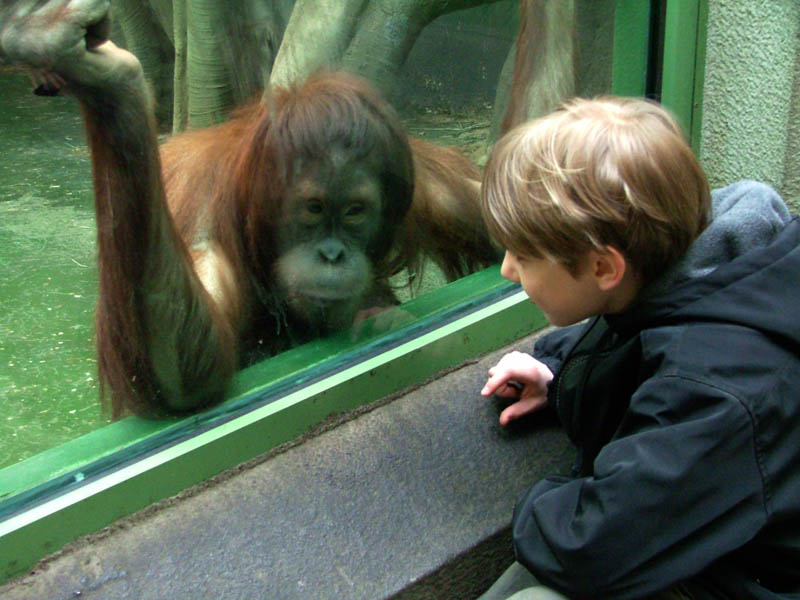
(751, 97)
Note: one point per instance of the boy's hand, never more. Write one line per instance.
(518, 375)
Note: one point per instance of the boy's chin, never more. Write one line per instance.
(564, 320)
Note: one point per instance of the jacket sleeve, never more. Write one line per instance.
(668, 496)
(552, 348)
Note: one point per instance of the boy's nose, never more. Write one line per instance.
(507, 269)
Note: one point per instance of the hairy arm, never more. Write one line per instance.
(163, 343)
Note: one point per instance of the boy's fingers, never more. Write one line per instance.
(511, 389)
(504, 381)
(500, 382)
(489, 387)
(521, 408)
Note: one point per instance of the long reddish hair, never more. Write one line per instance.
(301, 123)
(249, 160)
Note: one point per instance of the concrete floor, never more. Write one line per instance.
(410, 500)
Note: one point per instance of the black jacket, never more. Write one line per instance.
(686, 413)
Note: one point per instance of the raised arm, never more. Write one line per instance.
(163, 343)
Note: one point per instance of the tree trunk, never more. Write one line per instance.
(180, 113)
(243, 48)
(501, 99)
(268, 20)
(388, 31)
(146, 38)
(209, 85)
(543, 65)
(254, 30)
(370, 38)
(163, 12)
(316, 36)
(385, 35)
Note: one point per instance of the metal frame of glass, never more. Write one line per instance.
(86, 484)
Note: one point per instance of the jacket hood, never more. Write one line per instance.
(743, 269)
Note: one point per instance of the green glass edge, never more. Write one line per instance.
(309, 359)
(684, 64)
(631, 46)
(22, 546)
(699, 76)
(26, 537)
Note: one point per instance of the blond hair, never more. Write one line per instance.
(609, 171)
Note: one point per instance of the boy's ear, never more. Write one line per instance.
(608, 267)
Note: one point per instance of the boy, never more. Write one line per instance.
(681, 390)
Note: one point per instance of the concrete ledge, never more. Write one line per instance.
(410, 500)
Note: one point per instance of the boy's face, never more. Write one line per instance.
(563, 298)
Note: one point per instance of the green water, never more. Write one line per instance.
(48, 281)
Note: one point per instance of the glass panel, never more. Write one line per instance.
(447, 68)
(448, 74)
(48, 287)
